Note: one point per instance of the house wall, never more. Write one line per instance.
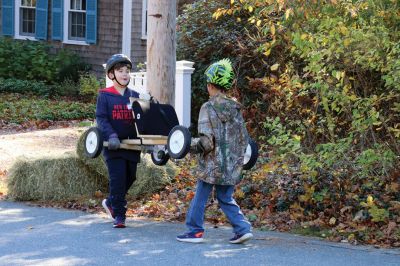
(109, 35)
(138, 45)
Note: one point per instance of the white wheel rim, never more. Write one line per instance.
(177, 140)
(155, 156)
(91, 142)
(156, 149)
(247, 155)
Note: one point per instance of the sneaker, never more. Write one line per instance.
(107, 207)
(240, 238)
(119, 222)
(191, 237)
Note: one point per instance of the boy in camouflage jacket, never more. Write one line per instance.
(222, 144)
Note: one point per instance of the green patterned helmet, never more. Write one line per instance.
(220, 73)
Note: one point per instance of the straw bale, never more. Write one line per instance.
(61, 178)
(151, 178)
(95, 164)
(73, 175)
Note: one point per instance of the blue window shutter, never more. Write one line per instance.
(91, 21)
(7, 17)
(57, 7)
(41, 19)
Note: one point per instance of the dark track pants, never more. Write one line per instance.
(122, 174)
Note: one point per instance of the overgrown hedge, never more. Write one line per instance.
(19, 108)
(30, 67)
(321, 92)
(12, 85)
(86, 89)
(204, 40)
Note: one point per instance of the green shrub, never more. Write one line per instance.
(12, 85)
(66, 87)
(203, 40)
(89, 86)
(26, 60)
(33, 60)
(17, 108)
(321, 91)
(332, 87)
(69, 66)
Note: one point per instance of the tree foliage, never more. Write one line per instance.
(204, 40)
(319, 81)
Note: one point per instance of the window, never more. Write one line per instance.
(144, 19)
(27, 17)
(24, 19)
(77, 20)
(74, 21)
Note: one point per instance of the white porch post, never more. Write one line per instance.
(127, 27)
(183, 89)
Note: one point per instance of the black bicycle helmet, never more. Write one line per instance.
(115, 59)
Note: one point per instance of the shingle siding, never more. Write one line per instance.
(109, 29)
(138, 45)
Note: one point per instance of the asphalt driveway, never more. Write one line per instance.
(47, 236)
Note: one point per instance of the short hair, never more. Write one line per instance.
(218, 87)
(121, 65)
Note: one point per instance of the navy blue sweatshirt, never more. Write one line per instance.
(114, 117)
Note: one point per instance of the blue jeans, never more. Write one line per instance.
(195, 215)
(122, 174)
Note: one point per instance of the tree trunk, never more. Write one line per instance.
(161, 50)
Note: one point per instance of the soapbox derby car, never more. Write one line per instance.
(158, 133)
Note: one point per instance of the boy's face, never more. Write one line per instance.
(121, 74)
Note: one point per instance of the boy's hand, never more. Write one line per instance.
(194, 145)
(200, 145)
(113, 142)
(145, 96)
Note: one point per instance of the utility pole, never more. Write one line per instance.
(161, 49)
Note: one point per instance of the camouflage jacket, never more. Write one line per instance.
(222, 127)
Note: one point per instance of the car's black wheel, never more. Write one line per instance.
(159, 155)
(178, 143)
(93, 142)
(251, 155)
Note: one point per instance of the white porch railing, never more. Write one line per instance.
(183, 78)
(138, 82)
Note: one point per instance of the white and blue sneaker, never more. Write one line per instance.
(241, 238)
(107, 207)
(193, 237)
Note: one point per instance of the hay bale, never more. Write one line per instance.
(150, 178)
(74, 175)
(62, 178)
(95, 164)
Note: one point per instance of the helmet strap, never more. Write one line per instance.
(115, 78)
